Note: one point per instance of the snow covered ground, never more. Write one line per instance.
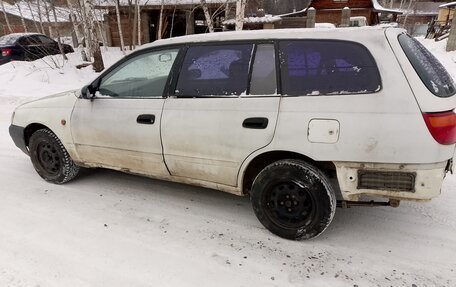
(112, 229)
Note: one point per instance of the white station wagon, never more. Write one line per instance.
(293, 118)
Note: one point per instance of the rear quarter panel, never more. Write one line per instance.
(382, 127)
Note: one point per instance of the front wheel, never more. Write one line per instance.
(50, 158)
(293, 199)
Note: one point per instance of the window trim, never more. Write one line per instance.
(328, 40)
(96, 83)
(255, 43)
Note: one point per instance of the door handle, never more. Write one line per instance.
(255, 123)
(146, 119)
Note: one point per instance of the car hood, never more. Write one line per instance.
(60, 100)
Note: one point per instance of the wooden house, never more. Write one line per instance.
(180, 17)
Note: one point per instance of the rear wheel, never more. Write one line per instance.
(293, 199)
(50, 158)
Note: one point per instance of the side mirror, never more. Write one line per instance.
(87, 92)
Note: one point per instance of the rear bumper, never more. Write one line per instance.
(393, 181)
(17, 134)
(4, 60)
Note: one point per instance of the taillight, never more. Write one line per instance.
(442, 126)
(6, 52)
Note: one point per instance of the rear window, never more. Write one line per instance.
(428, 68)
(327, 67)
(8, 39)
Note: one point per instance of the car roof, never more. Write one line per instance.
(359, 33)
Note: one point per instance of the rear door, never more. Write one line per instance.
(215, 118)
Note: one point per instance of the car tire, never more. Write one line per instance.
(293, 199)
(50, 158)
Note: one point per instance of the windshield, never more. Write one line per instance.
(430, 70)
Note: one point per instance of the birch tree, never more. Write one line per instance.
(209, 22)
(22, 17)
(139, 24)
(135, 21)
(85, 27)
(38, 7)
(240, 11)
(119, 27)
(33, 16)
(6, 17)
(79, 37)
(98, 64)
(59, 39)
(160, 20)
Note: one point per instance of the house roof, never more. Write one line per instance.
(448, 5)
(255, 20)
(62, 13)
(381, 9)
(164, 2)
(426, 8)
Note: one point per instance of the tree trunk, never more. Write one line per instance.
(98, 64)
(172, 23)
(59, 39)
(160, 23)
(210, 25)
(6, 18)
(85, 25)
(22, 17)
(119, 26)
(130, 25)
(33, 16)
(38, 6)
(76, 31)
(46, 9)
(135, 21)
(240, 11)
(139, 25)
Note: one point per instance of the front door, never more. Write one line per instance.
(216, 119)
(120, 127)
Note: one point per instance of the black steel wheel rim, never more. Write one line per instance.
(48, 157)
(290, 204)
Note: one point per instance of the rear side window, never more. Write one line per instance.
(428, 68)
(215, 70)
(327, 67)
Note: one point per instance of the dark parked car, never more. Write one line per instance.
(28, 47)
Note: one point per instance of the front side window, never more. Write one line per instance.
(215, 70)
(428, 68)
(143, 76)
(327, 67)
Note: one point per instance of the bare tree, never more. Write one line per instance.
(210, 25)
(79, 37)
(6, 18)
(98, 64)
(100, 24)
(33, 16)
(135, 21)
(38, 6)
(240, 11)
(59, 39)
(138, 10)
(160, 20)
(119, 26)
(22, 16)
